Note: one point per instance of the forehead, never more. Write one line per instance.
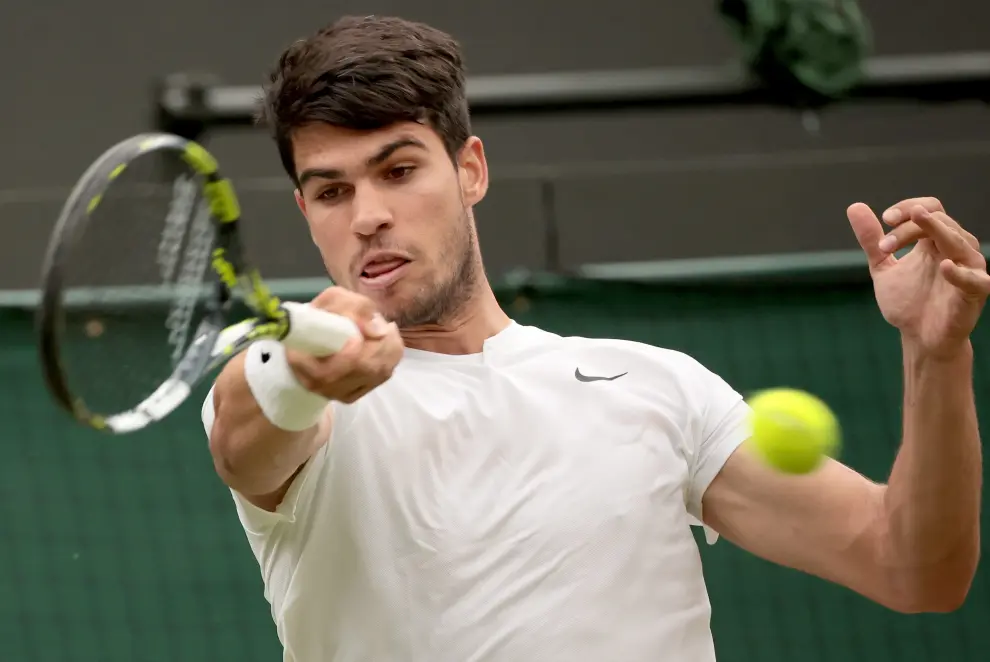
(332, 146)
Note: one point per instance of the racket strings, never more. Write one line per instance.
(189, 233)
(136, 282)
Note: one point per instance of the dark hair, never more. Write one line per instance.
(367, 73)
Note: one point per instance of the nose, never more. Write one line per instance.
(370, 212)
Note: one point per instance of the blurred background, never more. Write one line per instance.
(643, 188)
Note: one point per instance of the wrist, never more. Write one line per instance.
(280, 396)
(958, 353)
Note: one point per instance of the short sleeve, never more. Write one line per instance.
(258, 521)
(721, 424)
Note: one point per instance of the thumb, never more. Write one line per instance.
(374, 327)
(868, 230)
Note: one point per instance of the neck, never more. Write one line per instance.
(466, 332)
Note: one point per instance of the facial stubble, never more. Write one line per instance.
(444, 299)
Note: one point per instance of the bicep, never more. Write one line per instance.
(827, 523)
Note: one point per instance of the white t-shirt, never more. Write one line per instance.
(501, 507)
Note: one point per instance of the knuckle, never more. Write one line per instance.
(350, 297)
(382, 371)
(958, 235)
(343, 391)
(375, 367)
(375, 371)
(395, 353)
(948, 220)
(394, 340)
(341, 365)
(354, 305)
(364, 306)
(329, 299)
(352, 349)
(329, 379)
(341, 299)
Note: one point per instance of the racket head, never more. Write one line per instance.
(141, 273)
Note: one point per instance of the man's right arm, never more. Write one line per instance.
(259, 459)
(251, 455)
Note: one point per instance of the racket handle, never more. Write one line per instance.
(316, 332)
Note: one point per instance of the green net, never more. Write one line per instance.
(128, 549)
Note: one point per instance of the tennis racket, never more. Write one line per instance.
(146, 288)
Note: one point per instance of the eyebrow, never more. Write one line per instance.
(380, 157)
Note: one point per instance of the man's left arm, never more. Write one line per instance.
(911, 545)
(914, 543)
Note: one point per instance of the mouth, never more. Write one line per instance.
(381, 271)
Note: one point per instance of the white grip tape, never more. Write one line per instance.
(282, 399)
(317, 332)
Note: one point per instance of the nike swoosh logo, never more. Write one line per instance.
(586, 378)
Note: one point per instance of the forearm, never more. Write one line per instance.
(250, 454)
(932, 501)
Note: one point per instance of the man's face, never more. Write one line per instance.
(390, 214)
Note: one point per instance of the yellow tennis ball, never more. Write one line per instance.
(793, 431)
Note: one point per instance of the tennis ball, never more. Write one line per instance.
(793, 431)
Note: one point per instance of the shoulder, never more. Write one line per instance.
(658, 371)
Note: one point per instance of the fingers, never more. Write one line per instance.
(947, 220)
(313, 372)
(869, 233)
(972, 281)
(909, 232)
(924, 221)
(360, 366)
(359, 308)
(363, 363)
(369, 370)
(949, 238)
(903, 235)
(901, 212)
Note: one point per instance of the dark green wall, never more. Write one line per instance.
(128, 549)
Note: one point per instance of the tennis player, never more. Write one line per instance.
(457, 487)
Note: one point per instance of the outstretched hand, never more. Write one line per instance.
(935, 293)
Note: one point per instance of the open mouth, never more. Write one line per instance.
(384, 272)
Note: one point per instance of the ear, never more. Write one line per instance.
(300, 201)
(472, 170)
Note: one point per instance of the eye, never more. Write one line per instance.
(330, 193)
(399, 172)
